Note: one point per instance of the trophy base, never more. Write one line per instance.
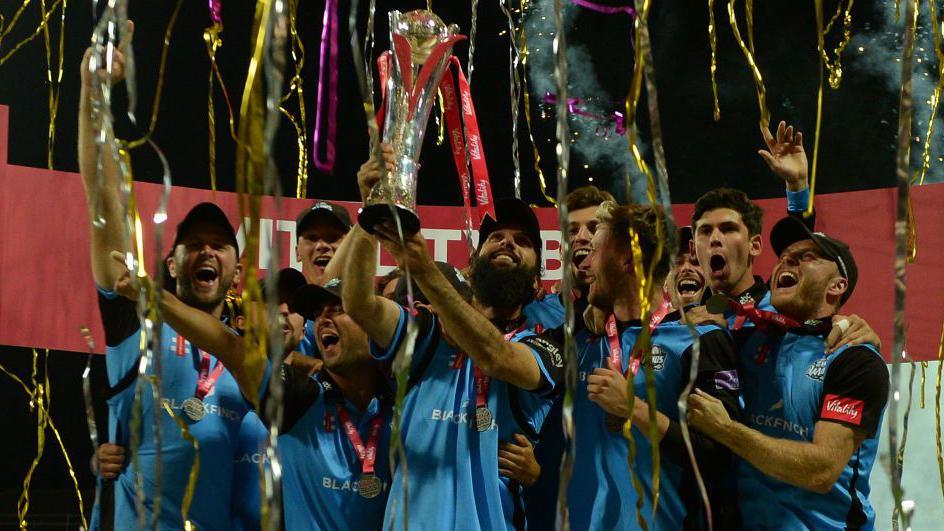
(376, 214)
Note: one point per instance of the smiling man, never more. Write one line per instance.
(810, 434)
(477, 375)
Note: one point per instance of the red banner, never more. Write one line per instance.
(47, 293)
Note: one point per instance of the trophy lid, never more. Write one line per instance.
(423, 30)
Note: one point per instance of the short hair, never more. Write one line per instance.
(587, 196)
(643, 220)
(751, 214)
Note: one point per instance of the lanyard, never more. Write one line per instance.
(612, 337)
(764, 320)
(367, 454)
(207, 380)
(482, 380)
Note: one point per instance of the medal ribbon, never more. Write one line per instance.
(367, 454)
(612, 337)
(764, 320)
(207, 380)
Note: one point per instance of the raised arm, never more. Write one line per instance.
(111, 235)
(471, 332)
(376, 315)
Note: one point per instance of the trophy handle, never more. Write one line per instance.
(431, 65)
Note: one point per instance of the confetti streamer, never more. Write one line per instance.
(514, 88)
(713, 67)
(818, 4)
(213, 40)
(834, 67)
(903, 176)
(296, 87)
(527, 108)
(194, 469)
(474, 26)
(327, 99)
(749, 56)
(570, 355)
(87, 398)
(54, 85)
(36, 32)
(900, 458)
(937, 411)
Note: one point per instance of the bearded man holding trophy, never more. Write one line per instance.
(479, 373)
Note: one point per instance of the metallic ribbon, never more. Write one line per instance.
(900, 458)
(937, 411)
(713, 67)
(213, 41)
(749, 55)
(818, 5)
(603, 8)
(33, 35)
(54, 85)
(472, 30)
(87, 398)
(522, 36)
(5, 28)
(194, 469)
(616, 117)
(296, 87)
(835, 67)
(327, 68)
(570, 354)
(903, 180)
(514, 89)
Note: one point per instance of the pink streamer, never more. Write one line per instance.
(605, 9)
(327, 67)
(619, 122)
(216, 11)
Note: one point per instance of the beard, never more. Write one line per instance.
(501, 287)
(187, 294)
(804, 302)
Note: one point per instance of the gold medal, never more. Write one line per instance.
(369, 486)
(483, 419)
(193, 408)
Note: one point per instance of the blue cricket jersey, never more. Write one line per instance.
(453, 469)
(789, 384)
(250, 456)
(601, 492)
(307, 345)
(320, 466)
(546, 313)
(217, 433)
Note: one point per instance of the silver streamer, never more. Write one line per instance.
(475, 23)
(570, 359)
(514, 90)
(901, 233)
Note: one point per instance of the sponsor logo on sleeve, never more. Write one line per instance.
(817, 370)
(727, 380)
(551, 350)
(841, 408)
(657, 361)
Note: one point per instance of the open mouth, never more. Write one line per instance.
(329, 339)
(580, 254)
(688, 286)
(717, 264)
(205, 276)
(787, 279)
(322, 261)
(504, 257)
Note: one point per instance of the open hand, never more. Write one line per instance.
(369, 172)
(785, 156)
(118, 60)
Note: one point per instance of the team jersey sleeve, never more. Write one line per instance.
(426, 328)
(548, 353)
(717, 375)
(119, 317)
(299, 390)
(797, 203)
(855, 390)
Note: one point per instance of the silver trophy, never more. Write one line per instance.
(421, 45)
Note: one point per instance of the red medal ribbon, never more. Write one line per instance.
(367, 454)
(207, 380)
(764, 320)
(612, 337)
(483, 380)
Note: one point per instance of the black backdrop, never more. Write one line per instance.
(857, 146)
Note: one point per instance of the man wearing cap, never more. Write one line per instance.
(601, 493)
(477, 374)
(810, 433)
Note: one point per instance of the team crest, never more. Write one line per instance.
(746, 298)
(657, 361)
(817, 370)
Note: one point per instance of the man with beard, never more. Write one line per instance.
(205, 264)
(809, 437)
(601, 494)
(477, 374)
(686, 281)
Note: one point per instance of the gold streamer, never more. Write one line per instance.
(54, 86)
(212, 39)
(34, 34)
(924, 380)
(749, 55)
(194, 469)
(296, 87)
(13, 21)
(835, 67)
(713, 67)
(159, 89)
(523, 38)
(818, 4)
(40, 398)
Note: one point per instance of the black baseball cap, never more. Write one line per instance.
(517, 213)
(310, 299)
(453, 275)
(331, 212)
(288, 281)
(206, 213)
(790, 230)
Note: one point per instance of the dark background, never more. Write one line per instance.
(857, 145)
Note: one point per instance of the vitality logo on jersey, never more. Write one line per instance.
(841, 408)
(817, 370)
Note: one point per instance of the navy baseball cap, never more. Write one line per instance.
(516, 213)
(331, 212)
(206, 213)
(790, 230)
(309, 300)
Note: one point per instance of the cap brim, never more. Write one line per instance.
(320, 214)
(309, 300)
(207, 213)
(788, 231)
(516, 213)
